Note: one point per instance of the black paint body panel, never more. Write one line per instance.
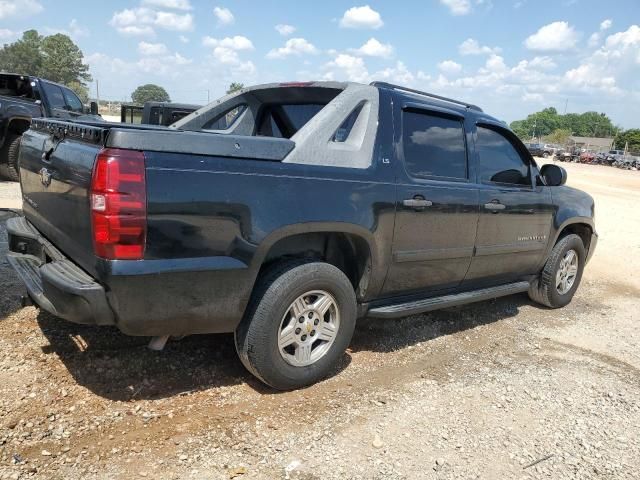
(215, 211)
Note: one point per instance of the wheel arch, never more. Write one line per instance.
(348, 247)
(581, 226)
(19, 125)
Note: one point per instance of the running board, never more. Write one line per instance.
(436, 303)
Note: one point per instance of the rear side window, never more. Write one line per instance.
(54, 95)
(344, 130)
(284, 120)
(500, 162)
(225, 120)
(434, 146)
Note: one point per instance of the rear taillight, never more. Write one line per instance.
(119, 204)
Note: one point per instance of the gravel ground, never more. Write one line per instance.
(501, 389)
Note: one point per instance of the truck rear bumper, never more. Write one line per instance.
(55, 283)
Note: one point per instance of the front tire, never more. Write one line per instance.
(299, 323)
(9, 167)
(561, 274)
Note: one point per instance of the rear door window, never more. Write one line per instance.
(434, 145)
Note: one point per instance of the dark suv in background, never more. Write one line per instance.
(539, 150)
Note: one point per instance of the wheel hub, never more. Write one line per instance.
(567, 272)
(308, 328)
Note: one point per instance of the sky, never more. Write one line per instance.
(511, 57)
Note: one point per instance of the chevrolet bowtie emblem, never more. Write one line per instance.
(45, 177)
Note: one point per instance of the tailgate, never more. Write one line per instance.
(56, 164)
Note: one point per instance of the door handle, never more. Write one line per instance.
(495, 206)
(418, 202)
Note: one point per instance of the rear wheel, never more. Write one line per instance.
(298, 324)
(9, 157)
(561, 274)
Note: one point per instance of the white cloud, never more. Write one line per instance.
(235, 43)
(174, 21)
(142, 20)
(175, 4)
(224, 16)
(532, 97)
(183, 39)
(77, 30)
(347, 67)
(606, 24)
(226, 51)
(361, 17)
(398, 74)
(284, 29)
(449, 67)
(294, 46)
(373, 48)
(145, 48)
(495, 63)
(594, 39)
(15, 8)
(457, 7)
(471, 47)
(543, 63)
(554, 37)
(6, 34)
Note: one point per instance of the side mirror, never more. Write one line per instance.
(93, 108)
(553, 175)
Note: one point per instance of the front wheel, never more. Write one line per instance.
(298, 324)
(561, 274)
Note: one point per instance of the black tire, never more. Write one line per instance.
(256, 337)
(543, 290)
(9, 167)
(545, 154)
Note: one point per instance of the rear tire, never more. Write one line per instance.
(561, 274)
(285, 295)
(9, 167)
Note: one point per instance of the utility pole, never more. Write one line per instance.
(566, 102)
(98, 92)
(207, 95)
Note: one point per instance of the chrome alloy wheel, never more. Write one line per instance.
(308, 328)
(567, 272)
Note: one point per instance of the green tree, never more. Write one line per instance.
(547, 121)
(24, 55)
(55, 58)
(62, 60)
(559, 136)
(234, 87)
(630, 137)
(149, 93)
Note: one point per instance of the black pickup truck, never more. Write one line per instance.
(156, 113)
(284, 212)
(22, 98)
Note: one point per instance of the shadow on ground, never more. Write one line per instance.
(122, 368)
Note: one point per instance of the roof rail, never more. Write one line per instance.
(431, 95)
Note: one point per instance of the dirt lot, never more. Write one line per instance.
(483, 391)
